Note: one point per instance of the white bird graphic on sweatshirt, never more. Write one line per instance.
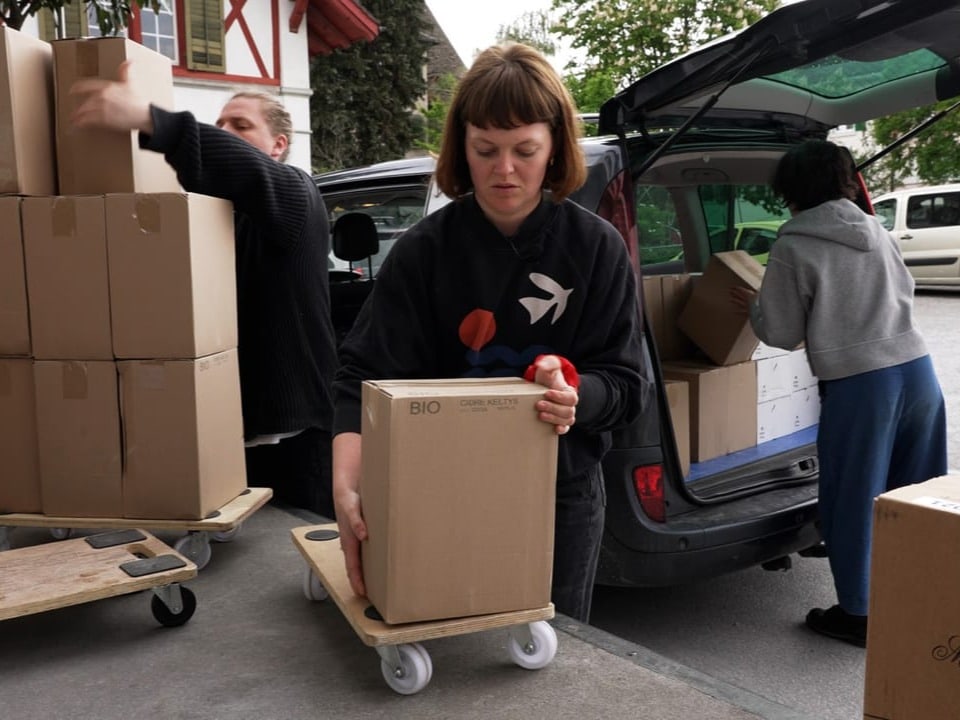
(538, 307)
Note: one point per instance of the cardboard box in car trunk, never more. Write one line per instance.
(678, 399)
(14, 317)
(65, 248)
(723, 406)
(182, 436)
(664, 297)
(172, 275)
(19, 458)
(913, 637)
(709, 317)
(27, 157)
(93, 161)
(458, 488)
(78, 433)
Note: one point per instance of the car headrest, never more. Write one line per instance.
(355, 237)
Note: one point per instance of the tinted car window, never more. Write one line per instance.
(393, 211)
(886, 211)
(924, 211)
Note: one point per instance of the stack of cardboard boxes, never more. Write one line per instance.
(119, 383)
(739, 392)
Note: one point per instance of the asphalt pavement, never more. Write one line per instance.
(258, 649)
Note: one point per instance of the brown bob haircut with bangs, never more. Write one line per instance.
(509, 86)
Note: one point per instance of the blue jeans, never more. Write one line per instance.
(581, 503)
(878, 431)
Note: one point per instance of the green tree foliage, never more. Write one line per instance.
(363, 96)
(441, 93)
(112, 15)
(933, 155)
(625, 39)
(531, 28)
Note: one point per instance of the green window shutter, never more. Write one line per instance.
(74, 20)
(204, 26)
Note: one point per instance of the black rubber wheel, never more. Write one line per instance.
(169, 619)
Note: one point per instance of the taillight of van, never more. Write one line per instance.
(648, 484)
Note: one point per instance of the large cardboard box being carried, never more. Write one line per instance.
(710, 319)
(14, 317)
(458, 488)
(65, 248)
(19, 458)
(182, 436)
(92, 161)
(723, 406)
(172, 275)
(913, 637)
(78, 433)
(27, 159)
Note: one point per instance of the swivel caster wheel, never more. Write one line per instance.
(196, 547)
(313, 589)
(536, 649)
(180, 612)
(61, 533)
(408, 670)
(224, 536)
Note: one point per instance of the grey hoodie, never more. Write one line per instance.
(835, 279)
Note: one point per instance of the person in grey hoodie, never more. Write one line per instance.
(835, 280)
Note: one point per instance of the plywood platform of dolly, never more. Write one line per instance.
(70, 572)
(326, 559)
(226, 518)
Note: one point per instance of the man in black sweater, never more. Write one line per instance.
(286, 343)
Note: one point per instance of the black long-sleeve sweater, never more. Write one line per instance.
(455, 298)
(286, 341)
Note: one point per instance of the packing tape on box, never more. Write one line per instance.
(74, 380)
(64, 217)
(148, 214)
(88, 59)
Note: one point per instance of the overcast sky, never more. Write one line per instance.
(472, 25)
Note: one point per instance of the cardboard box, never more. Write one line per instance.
(664, 297)
(19, 457)
(774, 378)
(183, 436)
(103, 161)
(913, 637)
(14, 316)
(458, 488)
(804, 408)
(65, 248)
(678, 400)
(710, 319)
(78, 433)
(801, 373)
(27, 157)
(764, 351)
(774, 419)
(172, 275)
(723, 406)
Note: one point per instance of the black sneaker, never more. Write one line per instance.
(815, 551)
(837, 623)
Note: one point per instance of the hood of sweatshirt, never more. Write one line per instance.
(838, 221)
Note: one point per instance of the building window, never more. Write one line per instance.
(158, 29)
(70, 21)
(203, 22)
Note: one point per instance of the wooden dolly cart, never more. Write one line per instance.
(405, 663)
(221, 526)
(71, 572)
